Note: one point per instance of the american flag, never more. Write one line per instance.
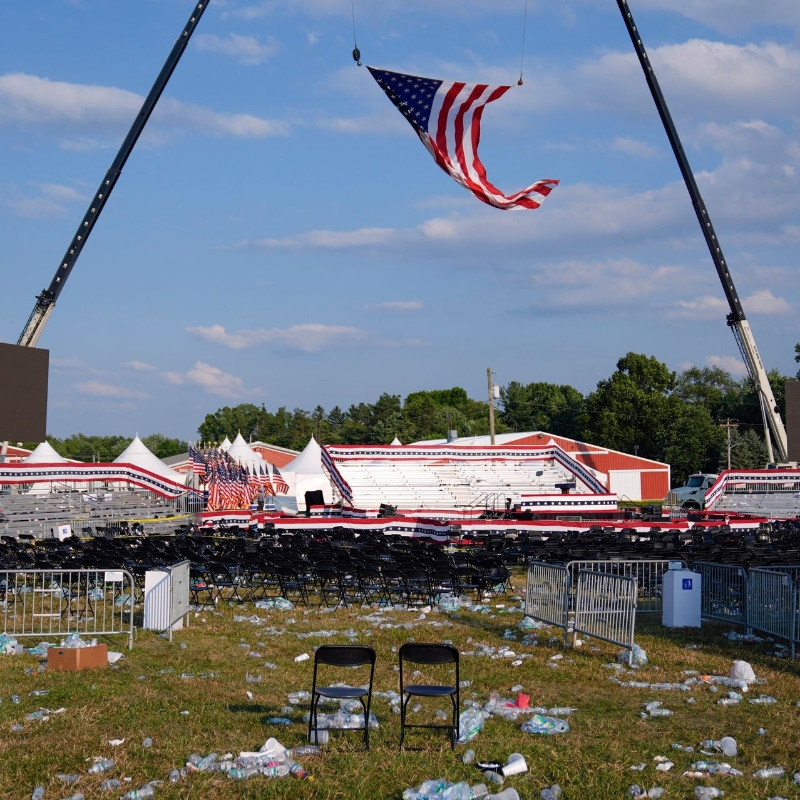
(278, 481)
(447, 118)
(199, 463)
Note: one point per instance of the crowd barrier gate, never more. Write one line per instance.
(547, 594)
(605, 608)
(724, 592)
(49, 603)
(773, 604)
(648, 574)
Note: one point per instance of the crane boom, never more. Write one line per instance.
(45, 302)
(736, 318)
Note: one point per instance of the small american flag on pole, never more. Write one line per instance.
(447, 118)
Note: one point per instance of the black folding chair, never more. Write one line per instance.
(340, 655)
(429, 654)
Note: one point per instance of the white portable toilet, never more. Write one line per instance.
(682, 598)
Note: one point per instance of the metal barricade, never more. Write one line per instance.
(724, 592)
(772, 605)
(166, 598)
(49, 603)
(648, 574)
(605, 608)
(547, 594)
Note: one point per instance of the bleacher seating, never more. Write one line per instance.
(450, 484)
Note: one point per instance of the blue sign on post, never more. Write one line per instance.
(687, 584)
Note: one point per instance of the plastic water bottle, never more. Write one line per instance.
(302, 751)
(494, 777)
(240, 773)
(174, 776)
(769, 772)
(104, 765)
(707, 792)
(38, 793)
(468, 757)
(110, 783)
(139, 794)
(71, 778)
(16, 699)
(278, 771)
(76, 796)
(147, 742)
(661, 712)
(205, 763)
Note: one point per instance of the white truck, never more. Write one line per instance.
(691, 496)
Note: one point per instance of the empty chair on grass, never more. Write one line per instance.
(437, 661)
(332, 656)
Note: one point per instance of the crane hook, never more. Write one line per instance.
(357, 56)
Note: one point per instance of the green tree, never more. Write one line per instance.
(797, 357)
(630, 410)
(546, 407)
(163, 447)
(246, 419)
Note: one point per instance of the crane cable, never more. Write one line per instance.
(356, 51)
(522, 56)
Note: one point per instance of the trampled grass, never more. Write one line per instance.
(146, 695)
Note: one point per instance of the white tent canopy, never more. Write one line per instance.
(225, 445)
(45, 454)
(136, 453)
(305, 474)
(244, 455)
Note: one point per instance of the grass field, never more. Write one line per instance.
(146, 696)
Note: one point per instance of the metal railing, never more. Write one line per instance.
(547, 594)
(773, 605)
(606, 608)
(648, 574)
(48, 603)
(723, 593)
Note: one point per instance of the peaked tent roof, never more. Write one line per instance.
(395, 442)
(44, 454)
(309, 462)
(225, 445)
(136, 453)
(243, 454)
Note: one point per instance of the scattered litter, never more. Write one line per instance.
(115, 742)
(545, 725)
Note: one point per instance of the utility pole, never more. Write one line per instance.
(729, 425)
(491, 403)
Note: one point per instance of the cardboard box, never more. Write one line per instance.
(69, 659)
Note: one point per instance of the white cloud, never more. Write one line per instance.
(31, 100)
(763, 301)
(309, 337)
(108, 390)
(706, 307)
(215, 381)
(37, 208)
(731, 15)
(732, 364)
(71, 365)
(140, 366)
(247, 50)
(329, 240)
(635, 147)
(400, 305)
(59, 192)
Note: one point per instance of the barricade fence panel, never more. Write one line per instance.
(605, 608)
(648, 574)
(724, 592)
(50, 603)
(772, 604)
(547, 594)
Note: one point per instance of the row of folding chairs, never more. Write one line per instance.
(434, 669)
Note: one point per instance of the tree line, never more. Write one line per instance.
(682, 418)
(643, 408)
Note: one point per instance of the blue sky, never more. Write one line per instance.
(280, 235)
